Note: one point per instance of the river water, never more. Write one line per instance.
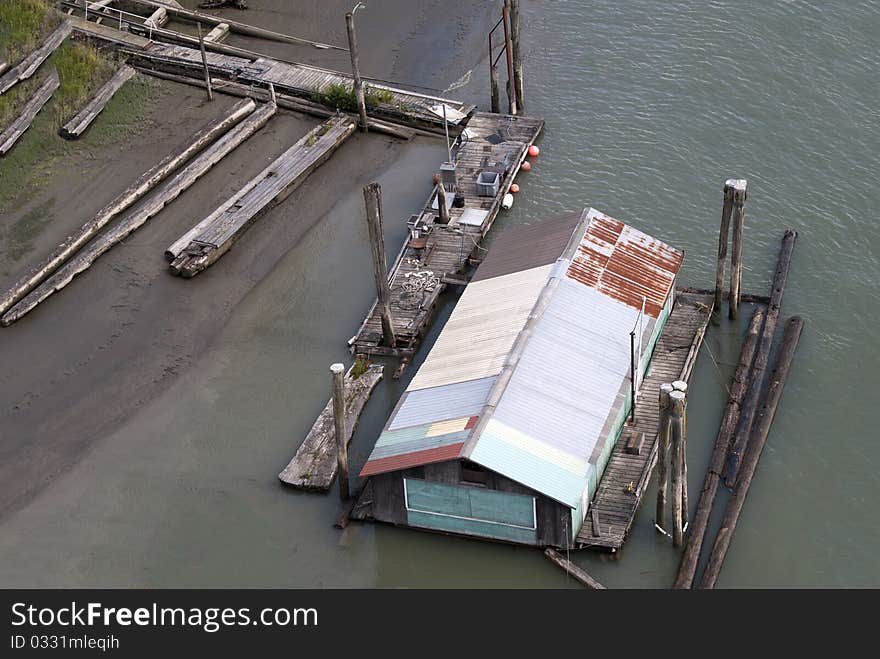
(649, 107)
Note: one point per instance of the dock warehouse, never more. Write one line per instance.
(505, 430)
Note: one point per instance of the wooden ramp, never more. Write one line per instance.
(626, 477)
(29, 65)
(301, 80)
(427, 263)
(314, 465)
(215, 235)
(78, 125)
(10, 136)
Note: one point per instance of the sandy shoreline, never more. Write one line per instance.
(77, 367)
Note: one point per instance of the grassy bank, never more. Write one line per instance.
(23, 24)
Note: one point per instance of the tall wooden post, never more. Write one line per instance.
(508, 49)
(441, 203)
(517, 54)
(355, 70)
(676, 413)
(736, 247)
(205, 63)
(681, 385)
(722, 247)
(663, 457)
(338, 371)
(373, 201)
(493, 81)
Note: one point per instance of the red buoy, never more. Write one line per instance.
(514, 188)
(534, 151)
(526, 166)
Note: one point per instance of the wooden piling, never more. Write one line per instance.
(790, 339)
(682, 386)
(338, 371)
(663, 457)
(205, 63)
(508, 49)
(355, 70)
(736, 247)
(495, 93)
(697, 531)
(441, 203)
(373, 202)
(676, 414)
(572, 570)
(517, 54)
(722, 246)
(750, 404)
(136, 191)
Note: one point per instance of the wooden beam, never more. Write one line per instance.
(572, 570)
(758, 440)
(688, 567)
(355, 70)
(736, 248)
(164, 195)
(662, 457)
(132, 194)
(78, 125)
(517, 54)
(373, 202)
(676, 415)
(29, 65)
(218, 34)
(756, 384)
(338, 375)
(723, 234)
(16, 129)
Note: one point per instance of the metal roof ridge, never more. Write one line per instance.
(522, 338)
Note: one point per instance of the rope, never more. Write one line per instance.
(721, 377)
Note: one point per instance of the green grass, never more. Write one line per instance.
(358, 368)
(23, 25)
(82, 70)
(342, 97)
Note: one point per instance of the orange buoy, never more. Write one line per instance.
(526, 166)
(534, 151)
(514, 188)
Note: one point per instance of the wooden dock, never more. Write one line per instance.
(626, 477)
(302, 81)
(215, 235)
(16, 129)
(314, 467)
(439, 254)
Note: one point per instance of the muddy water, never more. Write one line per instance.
(647, 113)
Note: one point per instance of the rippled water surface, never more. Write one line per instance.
(649, 107)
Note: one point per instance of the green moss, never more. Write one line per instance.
(23, 25)
(358, 368)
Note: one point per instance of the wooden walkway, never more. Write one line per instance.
(214, 236)
(626, 477)
(300, 80)
(427, 263)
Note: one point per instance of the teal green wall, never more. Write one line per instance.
(471, 511)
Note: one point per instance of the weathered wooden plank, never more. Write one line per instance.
(10, 136)
(572, 569)
(166, 193)
(313, 467)
(214, 236)
(78, 125)
(132, 194)
(29, 65)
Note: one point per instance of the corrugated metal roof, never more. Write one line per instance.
(562, 388)
(482, 328)
(530, 246)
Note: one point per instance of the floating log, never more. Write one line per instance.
(572, 570)
(16, 129)
(758, 439)
(136, 191)
(235, 26)
(314, 465)
(78, 125)
(215, 235)
(29, 65)
(218, 34)
(748, 298)
(289, 103)
(697, 531)
(747, 412)
(165, 194)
